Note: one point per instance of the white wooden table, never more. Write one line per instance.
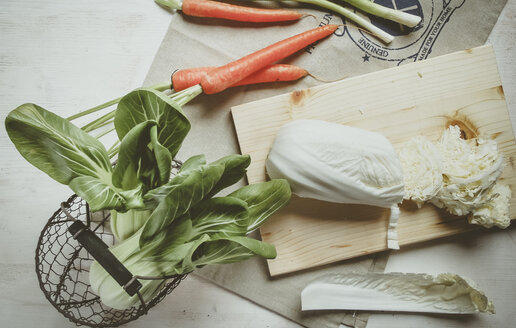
(69, 55)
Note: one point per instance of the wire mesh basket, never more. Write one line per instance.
(62, 267)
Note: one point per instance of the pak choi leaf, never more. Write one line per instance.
(56, 146)
(222, 215)
(182, 192)
(145, 104)
(263, 200)
(142, 159)
(102, 196)
(231, 249)
(68, 155)
(235, 167)
(192, 163)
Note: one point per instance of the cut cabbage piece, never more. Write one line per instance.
(398, 292)
(422, 169)
(458, 175)
(495, 210)
(470, 180)
(468, 171)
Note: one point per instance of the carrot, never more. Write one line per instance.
(279, 72)
(186, 78)
(274, 73)
(221, 78)
(207, 8)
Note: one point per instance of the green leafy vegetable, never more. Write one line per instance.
(223, 215)
(231, 249)
(69, 156)
(163, 226)
(142, 159)
(143, 105)
(132, 149)
(264, 199)
(184, 191)
(235, 167)
(192, 163)
(55, 146)
(212, 231)
(189, 187)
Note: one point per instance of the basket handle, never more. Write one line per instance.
(101, 253)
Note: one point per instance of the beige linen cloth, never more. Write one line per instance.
(447, 26)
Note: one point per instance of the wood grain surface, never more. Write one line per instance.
(422, 98)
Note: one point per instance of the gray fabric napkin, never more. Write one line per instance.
(447, 26)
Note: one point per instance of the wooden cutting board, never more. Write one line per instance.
(422, 98)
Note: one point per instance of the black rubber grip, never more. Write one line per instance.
(100, 252)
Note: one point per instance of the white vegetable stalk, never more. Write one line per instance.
(134, 259)
(397, 292)
(340, 164)
(124, 225)
(360, 20)
(385, 12)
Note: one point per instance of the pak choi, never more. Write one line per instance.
(164, 225)
(212, 231)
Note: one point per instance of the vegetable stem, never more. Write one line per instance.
(99, 122)
(94, 109)
(105, 132)
(186, 95)
(365, 23)
(113, 150)
(160, 87)
(386, 12)
(172, 4)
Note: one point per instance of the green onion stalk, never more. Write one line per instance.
(348, 13)
(369, 7)
(391, 14)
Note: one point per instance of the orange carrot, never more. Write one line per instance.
(188, 77)
(274, 73)
(221, 78)
(185, 78)
(208, 8)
